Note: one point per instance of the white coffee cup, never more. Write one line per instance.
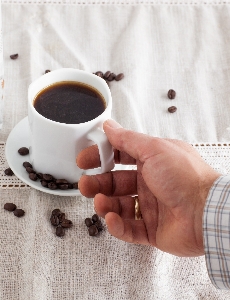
(55, 146)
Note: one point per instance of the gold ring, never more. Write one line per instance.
(138, 215)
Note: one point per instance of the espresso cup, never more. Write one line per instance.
(54, 146)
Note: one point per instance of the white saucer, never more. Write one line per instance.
(19, 137)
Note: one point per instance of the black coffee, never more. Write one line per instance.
(69, 102)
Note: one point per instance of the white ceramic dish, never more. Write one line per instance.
(19, 137)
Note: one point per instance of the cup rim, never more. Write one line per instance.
(95, 77)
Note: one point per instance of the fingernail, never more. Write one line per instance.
(113, 124)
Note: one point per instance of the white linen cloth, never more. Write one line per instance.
(158, 46)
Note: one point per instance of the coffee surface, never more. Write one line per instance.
(69, 102)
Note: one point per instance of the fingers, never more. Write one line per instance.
(123, 206)
(117, 183)
(89, 158)
(131, 231)
(126, 227)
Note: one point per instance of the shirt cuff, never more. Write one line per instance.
(216, 232)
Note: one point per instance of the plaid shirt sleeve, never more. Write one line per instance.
(216, 232)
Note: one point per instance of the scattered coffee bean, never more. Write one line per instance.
(66, 223)
(30, 170)
(19, 212)
(95, 218)
(60, 231)
(75, 185)
(119, 77)
(172, 109)
(44, 183)
(23, 151)
(63, 186)
(10, 206)
(106, 75)
(171, 94)
(14, 56)
(47, 177)
(111, 77)
(99, 73)
(40, 175)
(70, 185)
(54, 220)
(93, 230)
(94, 225)
(27, 164)
(47, 71)
(56, 212)
(99, 225)
(8, 172)
(61, 181)
(52, 185)
(58, 219)
(33, 176)
(61, 217)
(88, 222)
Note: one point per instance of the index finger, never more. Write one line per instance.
(89, 158)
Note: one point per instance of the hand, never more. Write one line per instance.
(172, 182)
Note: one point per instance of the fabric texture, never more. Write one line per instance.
(216, 228)
(157, 46)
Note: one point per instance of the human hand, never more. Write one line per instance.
(172, 182)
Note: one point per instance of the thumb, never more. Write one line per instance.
(138, 145)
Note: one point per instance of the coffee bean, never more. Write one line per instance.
(70, 185)
(171, 94)
(8, 172)
(10, 206)
(47, 177)
(14, 56)
(111, 77)
(40, 175)
(52, 185)
(63, 186)
(95, 218)
(47, 71)
(88, 222)
(33, 176)
(19, 212)
(93, 230)
(119, 77)
(75, 185)
(30, 170)
(60, 231)
(106, 75)
(27, 164)
(56, 212)
(54, 220)
(99, 73)
(66, 223)
(99, 225)
(61, 181)
(172, 109)
(44, 183)
(23, 151)
(61, 216)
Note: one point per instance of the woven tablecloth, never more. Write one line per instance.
(158, 45)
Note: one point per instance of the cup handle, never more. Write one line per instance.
(105, 151)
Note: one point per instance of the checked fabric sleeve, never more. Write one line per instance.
(216, 232)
